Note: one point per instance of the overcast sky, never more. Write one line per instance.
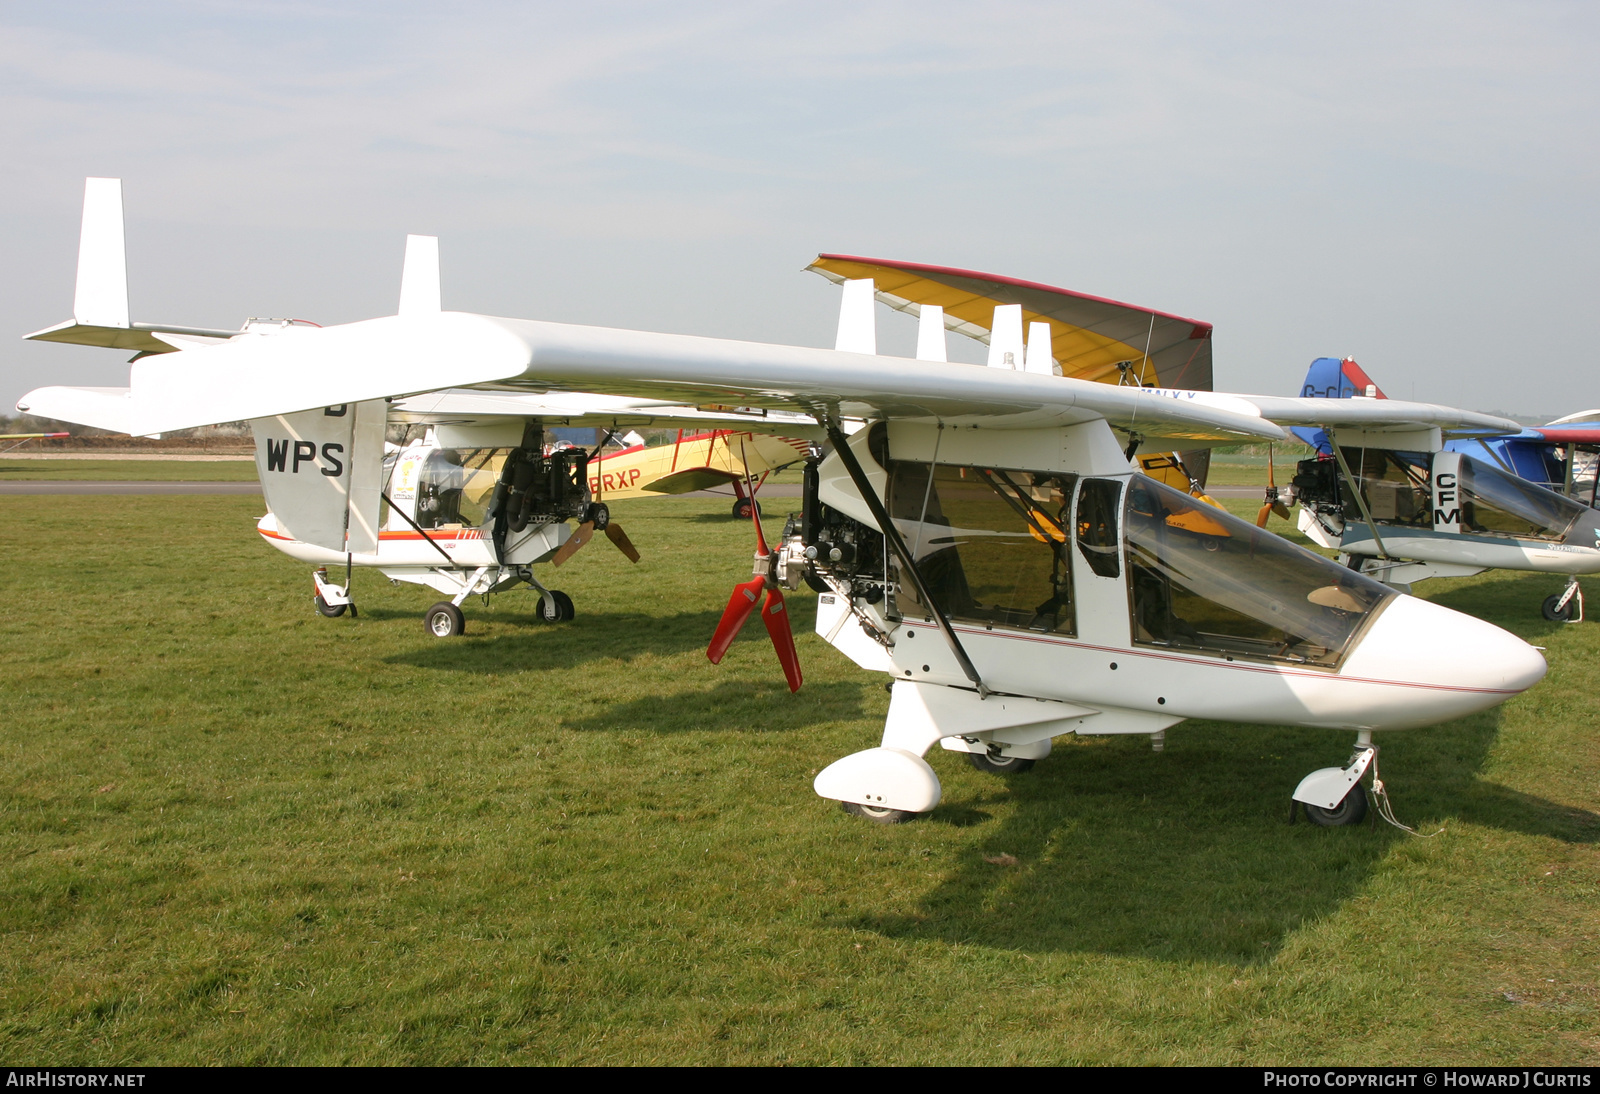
(1413, 184)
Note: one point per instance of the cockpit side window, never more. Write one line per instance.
(990, 543)
(1393, 484)
(1203, 579)
(455, 486)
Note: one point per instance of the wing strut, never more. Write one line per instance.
(1355, 488)
(908, 565)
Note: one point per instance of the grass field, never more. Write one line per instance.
(114, 470)
(236, 832)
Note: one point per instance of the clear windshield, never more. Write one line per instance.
(1494, 501)
(1203, 579)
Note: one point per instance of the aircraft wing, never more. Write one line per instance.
(1090, 335)
(605, 411)
(1378, 415)
(408, 354)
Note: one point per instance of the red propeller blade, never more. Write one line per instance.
(743, 601)
(776, 616)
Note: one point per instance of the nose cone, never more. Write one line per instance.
(1434, 664)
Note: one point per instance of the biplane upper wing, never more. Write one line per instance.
(422, 351)
(1090, 335)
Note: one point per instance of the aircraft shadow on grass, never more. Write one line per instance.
(533, 646)
(1186, 854)
(733, 706)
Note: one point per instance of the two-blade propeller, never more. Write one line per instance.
(774, 613)
(597, 518)
(1272, 504)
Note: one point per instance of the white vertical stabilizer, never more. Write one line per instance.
(930, 334)
(101, 299)
(419, 280)
(1005, 337)
(1040, 359)
(858, 332)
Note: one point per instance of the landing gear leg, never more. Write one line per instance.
(1333, 796)
(331, 600)
(1560, 607)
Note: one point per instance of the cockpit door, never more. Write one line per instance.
(1099, 571)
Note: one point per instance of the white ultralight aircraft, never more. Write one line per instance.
(984, 541)
(467, 506)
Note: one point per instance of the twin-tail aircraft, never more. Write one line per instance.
(477, 492)
(1443, 501)
(983, 541)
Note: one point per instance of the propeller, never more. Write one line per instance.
(774, 612)
(1272, 504)
(597, 518)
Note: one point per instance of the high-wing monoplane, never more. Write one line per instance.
(477, 492)
(983, 541)
(1411, 502)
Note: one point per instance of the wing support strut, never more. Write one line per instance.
(1355, 488)
(908, 565)
(418, 528)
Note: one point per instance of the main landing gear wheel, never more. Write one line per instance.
(332, 611)
(878, 814)
(1553, 610)
(741, 508)
(999, 765)
(1352, 810)
(557, 607)
(444, 620)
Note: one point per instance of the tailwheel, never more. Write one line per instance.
(557, 607)
(444, 620)
(878, 814)
(745, 507)
(999, 765)
(332, 611)
(1352, 810)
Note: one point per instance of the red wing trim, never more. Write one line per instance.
(977, 275)
(1563, 435)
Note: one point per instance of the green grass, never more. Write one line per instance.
(112, 470)
(235, 832)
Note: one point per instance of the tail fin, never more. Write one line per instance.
(1336, 378)
(101, 299)
(1333, 378)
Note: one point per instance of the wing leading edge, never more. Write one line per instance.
(413, 354)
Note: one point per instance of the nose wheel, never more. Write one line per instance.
(1352, 810)
(1333, 796)
(1563, 606)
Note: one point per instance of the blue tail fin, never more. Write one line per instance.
(1333, 378)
